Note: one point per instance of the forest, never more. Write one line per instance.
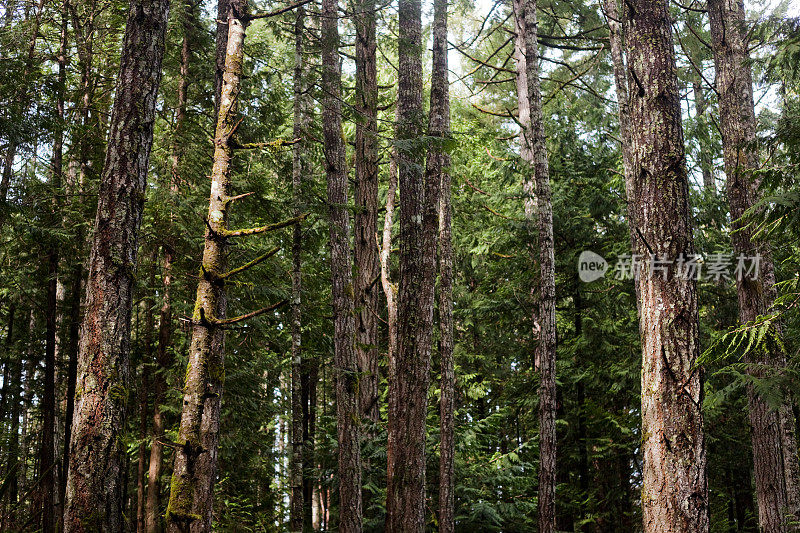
(403, 266)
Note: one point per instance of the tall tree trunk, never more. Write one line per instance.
(438, 166)
(615, 31)
(772, 430)
(73, 338)
(47, 451)
(348, 414)
(84, 39)
(94, 478)
(546, 348)
(299, 169)
(523, 103)
(367, 268)
(675, 491)
(195, 465)
(419, 226)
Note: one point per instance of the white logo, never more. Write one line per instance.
(591, 266)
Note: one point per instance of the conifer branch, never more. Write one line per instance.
(251, 264)
(265, 229)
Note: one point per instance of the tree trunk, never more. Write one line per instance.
(195, 465)
(772, 430)
(615, 31)
(94, 479)
(546, 348)
(675, 492)
(31, 362)
(419, 226)
(73, 339)
(47, 450)
(221, 51)
(348, 413)
(523, 103)
(367, 268)
(299, 169)
(438, 165)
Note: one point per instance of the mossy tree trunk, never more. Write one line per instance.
(94, 481)
(195, 463)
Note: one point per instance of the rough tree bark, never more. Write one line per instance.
(615, 29)
(772, 430)
(419, 226)
(195, 463)
(346, 362)
(675, 492)
(299, 169)
(367, 268)
(195, 466)
(438, 167)
(93, 497)
(546, 347)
